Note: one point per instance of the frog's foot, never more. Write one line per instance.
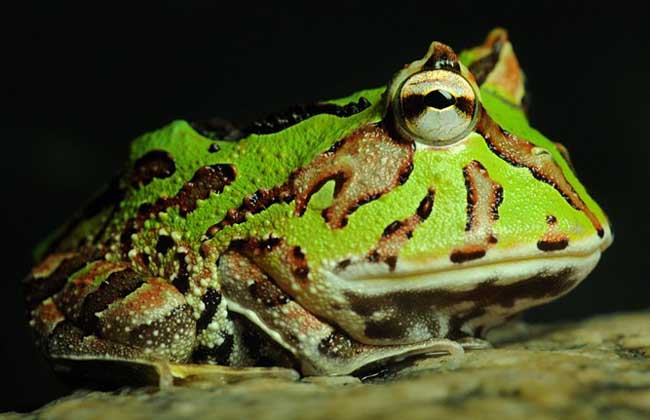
(319, 347)
(105, 311)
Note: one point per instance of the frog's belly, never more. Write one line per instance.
(451, 303)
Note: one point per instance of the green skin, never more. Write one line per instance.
(328, 295)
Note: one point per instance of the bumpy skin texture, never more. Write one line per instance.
(321, 238)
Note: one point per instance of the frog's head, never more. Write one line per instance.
(502, 224)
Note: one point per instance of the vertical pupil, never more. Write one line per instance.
(439, 99)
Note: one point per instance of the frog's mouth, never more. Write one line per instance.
(420, 297)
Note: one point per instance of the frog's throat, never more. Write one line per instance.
(456, 299)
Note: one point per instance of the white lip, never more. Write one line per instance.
(506, 265)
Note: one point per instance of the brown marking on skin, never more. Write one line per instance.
(71, 298)
(293, 267)
(169, 337)
(68, 340)
(49, 264)
(342, 265)
(214, 148)
(41, 288)
(140, 308)
(424, 305)
(254, 203)
(497, 65)
(219, 355)
(206, 180)
(359, 170)
(154, 164)
(268, 294)
(182, 279)
(211, 299)
(352, 163)
(45, 317)
(484, 196)
(468, 253)
(442, 57)
(552, 245)
(397, 233)
(553, 239)
(280, 121)
(520, 153)
(116, 286)
(484, 65)
(164, 244)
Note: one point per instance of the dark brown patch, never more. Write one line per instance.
(280, 121)
(154, 164)
(482, 67)
(164, 244)
(422, 305)
(392, 228)
(116, 286)
(519, 153)
(214, 148)
(460, 256)
(551, 220)
(268, 294)
(405, 173)
(555, 245)
(301, 273)
(357, 158)
(218, 129)
(268, 245)
(342, 265)
(395, 328)
(254, 203)
(391, 261)
(211, 299)
(157, 333)
(37, 290)
(426, 205)
(497, 200)
(219, 355)
(182, 279)
(339, 179)
(206, 180)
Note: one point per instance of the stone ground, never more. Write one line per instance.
(598, 368)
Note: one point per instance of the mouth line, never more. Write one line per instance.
(422, 268)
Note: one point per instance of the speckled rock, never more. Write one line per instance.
(598, 368)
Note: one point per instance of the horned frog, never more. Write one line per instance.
(401, 220)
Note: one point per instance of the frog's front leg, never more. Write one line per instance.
(319, 347)
(85, 309)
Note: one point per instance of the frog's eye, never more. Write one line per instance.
(436, 107)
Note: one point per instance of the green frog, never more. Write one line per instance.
(402, 220)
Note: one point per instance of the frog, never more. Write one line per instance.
(403, 220)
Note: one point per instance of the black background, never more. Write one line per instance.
(83, 82)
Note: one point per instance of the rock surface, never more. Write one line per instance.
(598, 368)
